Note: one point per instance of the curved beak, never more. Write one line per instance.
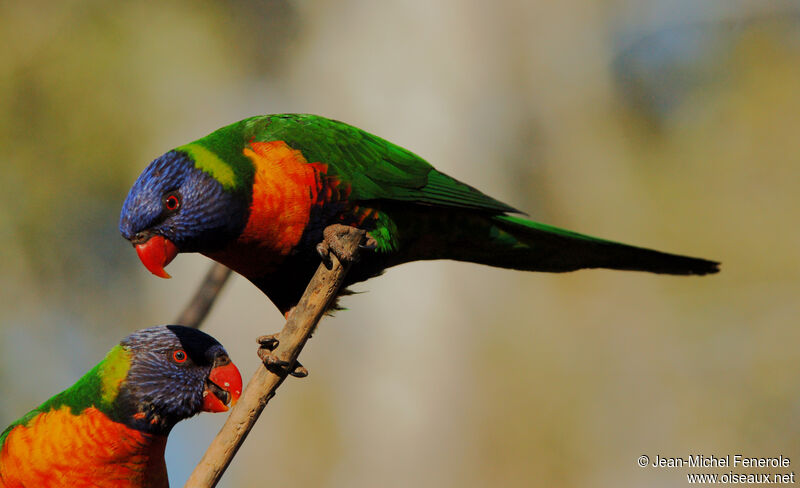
(156, 253)
(223, 387)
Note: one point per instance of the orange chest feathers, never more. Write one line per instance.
(58, 449)
(285, 188)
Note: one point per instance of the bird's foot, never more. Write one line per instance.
(267, 345)
(331, 243)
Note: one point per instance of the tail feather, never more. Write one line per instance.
(526, 245)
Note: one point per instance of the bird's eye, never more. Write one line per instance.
(172, 202)
(179, 356)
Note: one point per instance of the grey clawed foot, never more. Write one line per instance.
(331, 244)
(369, 243)
(267, 345)
(325, 254)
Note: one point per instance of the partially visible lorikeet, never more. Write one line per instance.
(257, 195)
(110, 428)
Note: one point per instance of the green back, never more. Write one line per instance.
(374, 168)
(97, 388)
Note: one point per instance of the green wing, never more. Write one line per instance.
(375, 168)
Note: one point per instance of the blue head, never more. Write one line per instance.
(183, 207)
(175, 372)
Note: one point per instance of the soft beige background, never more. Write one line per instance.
(665, 124)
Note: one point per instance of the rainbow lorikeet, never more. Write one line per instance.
(110, 428)
(259, 194)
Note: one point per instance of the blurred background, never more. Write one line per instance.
(671, 125)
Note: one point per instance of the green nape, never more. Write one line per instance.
(221, 155)
(97, 388)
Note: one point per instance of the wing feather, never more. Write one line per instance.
(375, 168)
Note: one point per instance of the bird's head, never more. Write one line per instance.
(177, 205)
(173, 372)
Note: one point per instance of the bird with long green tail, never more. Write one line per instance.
(267, 196)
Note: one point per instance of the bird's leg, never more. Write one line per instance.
(267, 344)
(331, 243)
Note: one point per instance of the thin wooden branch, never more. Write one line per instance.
(321, 291)
(197, 309)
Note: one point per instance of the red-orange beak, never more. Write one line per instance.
(156, 253)
(223, 387)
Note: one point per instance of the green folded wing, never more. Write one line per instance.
(375, 168)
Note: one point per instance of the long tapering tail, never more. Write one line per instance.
(526, 245)
(511, 242)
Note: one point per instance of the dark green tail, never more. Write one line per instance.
(539, 247)
(510, 242)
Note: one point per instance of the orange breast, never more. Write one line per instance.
(58, 449)
(285, 188)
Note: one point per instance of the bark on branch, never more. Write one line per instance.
(321, 291)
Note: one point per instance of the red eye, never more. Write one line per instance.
(179, 356)
(172, 202)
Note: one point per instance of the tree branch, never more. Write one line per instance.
(321, 291)
(197, 309)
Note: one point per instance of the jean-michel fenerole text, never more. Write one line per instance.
(727, 461)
